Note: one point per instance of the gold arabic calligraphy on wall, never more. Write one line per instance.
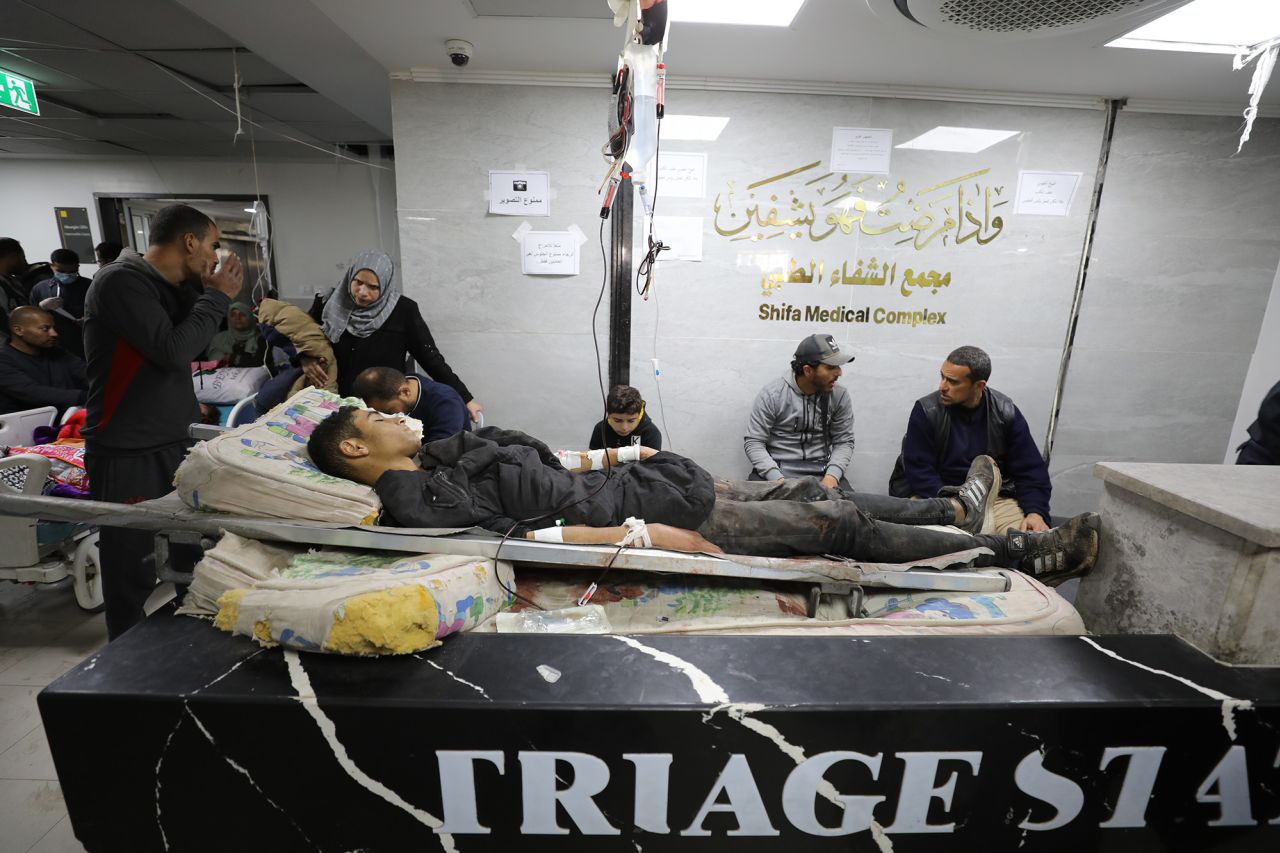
(923, 216)
(875, 275)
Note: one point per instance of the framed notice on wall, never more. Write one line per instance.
(73, 227)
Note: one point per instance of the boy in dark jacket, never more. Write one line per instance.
(625, 422)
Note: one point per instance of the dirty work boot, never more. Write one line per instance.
(978, 496)
(1056, 555)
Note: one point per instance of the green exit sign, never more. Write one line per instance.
(19, 93)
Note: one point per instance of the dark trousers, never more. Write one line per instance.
(128, 577)
(879, 507)
(799, 517)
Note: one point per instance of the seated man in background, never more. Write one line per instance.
(510, 483)
(34, 370)
(63, 295)
(625, 422)
(439, 407)
(802, 423)
(962, 420)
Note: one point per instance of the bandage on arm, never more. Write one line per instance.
(579, 535)
(570, 459)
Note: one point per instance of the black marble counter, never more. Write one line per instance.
(180, 737)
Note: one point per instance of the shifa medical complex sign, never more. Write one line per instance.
(785, 222)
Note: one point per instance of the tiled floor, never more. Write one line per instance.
(42, 635)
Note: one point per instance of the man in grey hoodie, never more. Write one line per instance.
(143, 329)
(802, 423)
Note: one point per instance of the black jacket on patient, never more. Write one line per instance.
(495, 478)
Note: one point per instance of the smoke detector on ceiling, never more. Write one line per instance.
(1004, 20)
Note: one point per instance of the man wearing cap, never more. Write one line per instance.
(802, 422)
(965, 419)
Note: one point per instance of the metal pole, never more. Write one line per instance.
(1108, 133)
(620, 284)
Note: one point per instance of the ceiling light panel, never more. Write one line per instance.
(758, 13)
(964, 140)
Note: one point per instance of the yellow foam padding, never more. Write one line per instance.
(262, 631)
(229, 609)
(398, 620)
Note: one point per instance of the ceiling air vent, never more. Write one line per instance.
(1026, 17)
(1008, 19)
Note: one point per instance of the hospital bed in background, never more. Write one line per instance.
(45, 551)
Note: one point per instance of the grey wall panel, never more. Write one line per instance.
(1183, 264)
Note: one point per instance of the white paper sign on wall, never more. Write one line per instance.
(682, 174)
(549, 253)
(520, 193)
(865, 150)
(1046, 193)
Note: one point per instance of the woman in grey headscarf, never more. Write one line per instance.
(372, 324)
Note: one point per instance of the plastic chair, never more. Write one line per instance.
(16, 428)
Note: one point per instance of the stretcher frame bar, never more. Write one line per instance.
(168, 514)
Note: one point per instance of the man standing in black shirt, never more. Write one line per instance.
(141, 334)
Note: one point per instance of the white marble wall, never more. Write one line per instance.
(524, 346)
(1185, 253)
(1182, 267)
(714, 352)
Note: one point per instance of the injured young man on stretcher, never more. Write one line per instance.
(512, 484)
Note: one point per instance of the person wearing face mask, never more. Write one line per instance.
(372, 324)
(141, 334)
(63, 296)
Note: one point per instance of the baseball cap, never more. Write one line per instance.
(824, 349)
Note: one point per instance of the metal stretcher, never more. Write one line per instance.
(174, 522)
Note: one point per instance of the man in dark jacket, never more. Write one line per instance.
(63, 295)
(13, 264)
(142, 331)
(34, 370)
(1263, 445)
(510, 483)
(438, 406)
(963, 419)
